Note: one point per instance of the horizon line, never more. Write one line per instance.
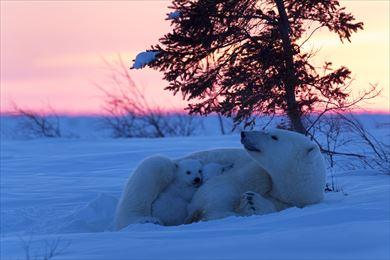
(169, 112)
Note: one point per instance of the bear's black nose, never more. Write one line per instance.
(196, 180)
(242, 135)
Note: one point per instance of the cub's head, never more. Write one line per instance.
(211, 170)
(278, 149)
(189, 172)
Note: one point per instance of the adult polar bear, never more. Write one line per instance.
(277, 169)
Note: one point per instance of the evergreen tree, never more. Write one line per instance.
(244, 57)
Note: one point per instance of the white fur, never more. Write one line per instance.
(288, 171)
(170, 207)
(211, 170)
(220, 196)
(253, 203)
(294, 163)
(149, 179)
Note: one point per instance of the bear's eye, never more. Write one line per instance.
(200, 171)
(188, 172)
(274, 137)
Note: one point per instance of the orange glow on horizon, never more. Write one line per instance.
(51, 52)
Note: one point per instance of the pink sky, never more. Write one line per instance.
(51, 51)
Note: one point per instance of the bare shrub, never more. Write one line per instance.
(38, 124)
(343, 135)
(340, 135)
(378, 155)
(130, 114)
(47, 251)
(333, 186)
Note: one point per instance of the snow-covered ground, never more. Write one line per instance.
(66, 190)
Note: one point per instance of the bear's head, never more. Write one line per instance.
(189, 172)
(278, 148)
(211, 170)
(293, 161)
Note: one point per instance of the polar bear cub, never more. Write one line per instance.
(144, 185)
(170, 207)
(211, 170)
(277, 169)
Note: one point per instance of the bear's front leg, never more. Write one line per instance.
(252, 203)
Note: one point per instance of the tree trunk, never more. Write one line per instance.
(220, 119)
(293, 111)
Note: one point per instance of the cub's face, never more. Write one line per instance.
(189, 172)
(278, 149)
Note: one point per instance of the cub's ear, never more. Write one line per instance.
(311, 149)
(227, 167)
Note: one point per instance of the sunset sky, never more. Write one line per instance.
(51, 51)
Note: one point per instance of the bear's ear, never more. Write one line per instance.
(311, 149)
(176, 165)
